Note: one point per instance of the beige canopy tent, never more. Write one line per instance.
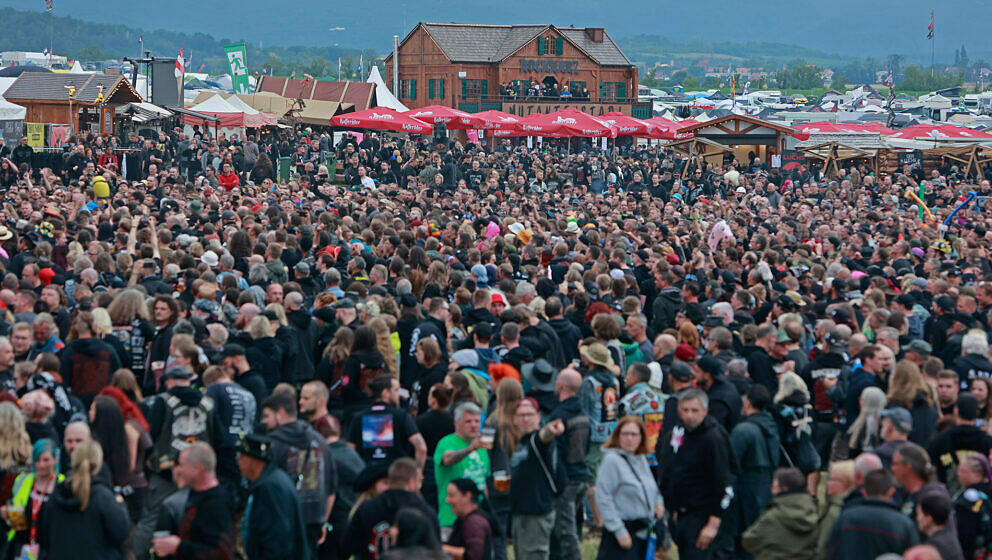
(833, 148)
(307, 111)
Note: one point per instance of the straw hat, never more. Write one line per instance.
(597, 354)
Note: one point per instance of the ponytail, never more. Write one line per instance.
(87, 459)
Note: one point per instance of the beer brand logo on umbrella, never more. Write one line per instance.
(561, 120)
(381, 116)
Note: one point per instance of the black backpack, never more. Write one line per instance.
(183, 426)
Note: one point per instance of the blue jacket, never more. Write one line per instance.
(859, 380)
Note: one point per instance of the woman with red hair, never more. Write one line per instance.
(139, 442)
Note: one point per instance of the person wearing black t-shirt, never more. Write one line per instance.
(383, 432)
(434, 424)
(205, 529)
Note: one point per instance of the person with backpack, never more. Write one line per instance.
(472, 535)
(303, 453)
(273, 526)
(796, 419)
(383, 432)
(756, 445)
(973, 507)
(178, 418)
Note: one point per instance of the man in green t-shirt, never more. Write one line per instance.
(460, 455)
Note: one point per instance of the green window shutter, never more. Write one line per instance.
(540, 45)
(485, 88)
(602, 90)
(621, 90)
(464, 88)
(430, 89)
(413, 89)
(560, 46)
(441, 88)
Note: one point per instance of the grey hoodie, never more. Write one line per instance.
(623, 493)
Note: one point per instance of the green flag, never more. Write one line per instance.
(237, 57)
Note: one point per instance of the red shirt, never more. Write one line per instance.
(228, 180)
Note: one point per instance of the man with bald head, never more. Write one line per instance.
(572, 446)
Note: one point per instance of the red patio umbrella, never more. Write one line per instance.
(382, 118)
(941, 132)
(567, 122)
(665, 129)
(498, 120)
(629, 126)
(452, 118)
(824, 127)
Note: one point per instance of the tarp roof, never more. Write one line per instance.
(215, 104)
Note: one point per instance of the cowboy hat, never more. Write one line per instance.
(597, 354)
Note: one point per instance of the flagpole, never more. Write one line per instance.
(932, 31)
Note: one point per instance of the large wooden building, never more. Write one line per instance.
(491, 67)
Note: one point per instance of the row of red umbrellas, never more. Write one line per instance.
(559, 124)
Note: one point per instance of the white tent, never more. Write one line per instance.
(239, 104)
(216, 104)
(8, 110)
(383, 97)
(77, 68)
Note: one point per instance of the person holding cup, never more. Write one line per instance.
(461, 455)
(29, 494)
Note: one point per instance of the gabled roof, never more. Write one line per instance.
(744, 118)
(36, 86)
(465, 42)
(358, 95)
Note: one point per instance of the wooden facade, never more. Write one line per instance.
(745, 136)
(463, 66)
(86, 101)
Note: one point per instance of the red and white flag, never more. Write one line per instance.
(180, 64)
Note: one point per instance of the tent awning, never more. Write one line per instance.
(319, 112)
(194, 114)
(145, 112)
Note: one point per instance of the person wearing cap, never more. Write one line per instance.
(725, 402)
(179, 416)
(896, 423)
(972, 506)
(695, 478)
(235, 362)
(917, 351)
(599, 395)
(679, 378)
(367, 535)
(947, 446)
(272, 527)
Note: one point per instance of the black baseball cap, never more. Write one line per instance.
(232, 350)
(680, 371)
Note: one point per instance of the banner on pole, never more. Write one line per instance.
(237, 58)
(36, 135)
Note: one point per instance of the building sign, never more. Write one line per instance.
(792, 159)
(522, 109)
(549, 66)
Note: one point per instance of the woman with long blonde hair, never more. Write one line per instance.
(84, 520)
(908, 389)
(384, 344)
(130, 319)
(15, 444)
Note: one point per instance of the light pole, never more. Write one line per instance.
(72, 117)
(99, 105)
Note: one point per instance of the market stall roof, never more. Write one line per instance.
(10, 111)
(145, 112)
(195, 114)
(317, 112)
(452, 118)
(360, 94)
(941, 132)
(382, 118)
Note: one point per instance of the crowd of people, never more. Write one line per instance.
(545, 91)
(463, 351)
